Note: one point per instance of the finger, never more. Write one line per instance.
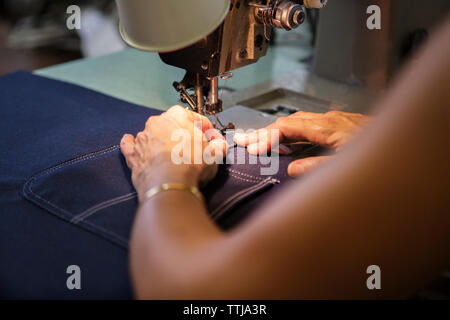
(127, 148)
(183, 116)
(259, 148)
(206, 124)
(245, 139)
(300, 166)
(267, 140)
(240, 139)
(213, 134)
(289, 129)
(284, 129)
(127, 145)
(219, 147)
(315, 130)
(306, 115)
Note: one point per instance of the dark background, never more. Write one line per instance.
(33, 18)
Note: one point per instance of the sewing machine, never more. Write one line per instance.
(238, 34)
(351, 64)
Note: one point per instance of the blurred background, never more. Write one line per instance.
(33, 33)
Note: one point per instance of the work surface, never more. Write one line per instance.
(142, 78)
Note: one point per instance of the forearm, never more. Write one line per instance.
(384, 200)
(172, 233)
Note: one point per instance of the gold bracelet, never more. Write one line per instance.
(174, 186)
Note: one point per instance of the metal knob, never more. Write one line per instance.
(287, 15)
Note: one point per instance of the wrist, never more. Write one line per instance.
(156, 176)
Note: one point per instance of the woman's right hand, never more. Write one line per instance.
(152, 158)
(332, 129)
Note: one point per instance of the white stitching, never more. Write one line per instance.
(103, 205)
(80, 218)
(244, 179)
(85, 157)
(119, 238)
(230, 201)
(67, 215)
(245, 174)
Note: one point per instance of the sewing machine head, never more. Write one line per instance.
(239, 34)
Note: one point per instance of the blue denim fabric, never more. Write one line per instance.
(94, 191)
(66, 194)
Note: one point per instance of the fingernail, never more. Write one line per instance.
(239, 138)
(254, 148)
(295, 169)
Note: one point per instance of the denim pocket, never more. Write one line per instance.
(87, 191)
(235, 186)
(94, 191)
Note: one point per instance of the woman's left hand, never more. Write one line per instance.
(176, 146)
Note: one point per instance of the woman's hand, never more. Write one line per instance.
(175, 136)
(332, 129)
